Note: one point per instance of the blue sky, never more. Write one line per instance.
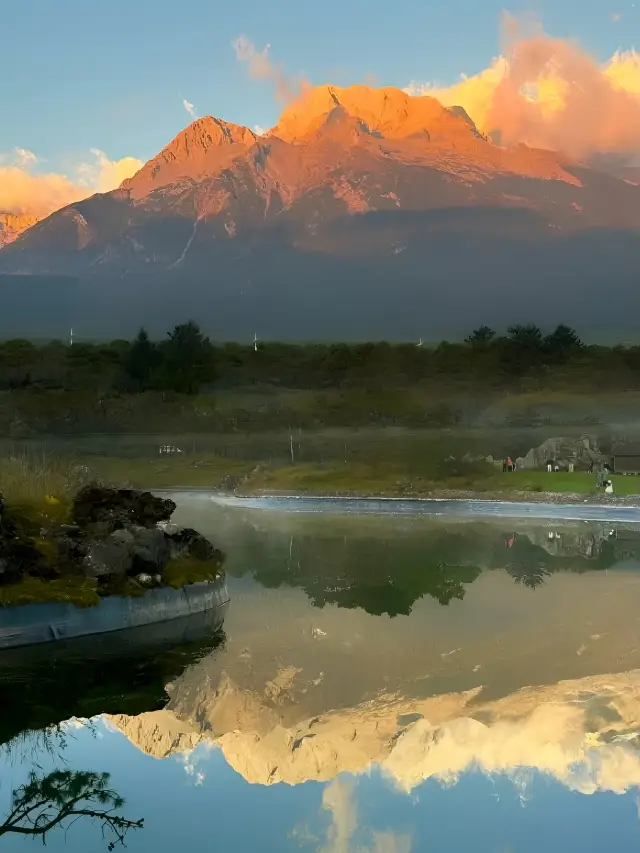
(207, 812)
(79, 75)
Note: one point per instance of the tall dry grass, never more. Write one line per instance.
(30, 478)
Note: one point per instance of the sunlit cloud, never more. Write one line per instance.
(261, 67)
(549, 93)
(24, 190)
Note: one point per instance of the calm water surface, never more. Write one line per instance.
(383, 685)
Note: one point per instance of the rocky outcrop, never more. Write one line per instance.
(12, 225)
(113, 535)
(563, 450)
(104, 509)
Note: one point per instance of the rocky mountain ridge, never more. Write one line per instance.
(353, 189)
(12, 225)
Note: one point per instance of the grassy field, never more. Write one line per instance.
(384, 461)
(350, 479)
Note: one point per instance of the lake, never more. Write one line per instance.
(383, 684)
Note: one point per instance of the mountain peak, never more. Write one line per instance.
(340, 126)
(387, 111)
(199, 151)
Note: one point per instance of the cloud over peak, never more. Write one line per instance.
(261, 67)
(549, 93)
(189, 107)
(24, 190)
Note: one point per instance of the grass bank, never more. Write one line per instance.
(392, 464)
(352, 480)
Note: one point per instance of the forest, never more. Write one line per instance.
(186, 362)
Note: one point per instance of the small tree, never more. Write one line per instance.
(562, 343)
(480, 336)
(526, 336)
(187, 359)
(523, 348)
(142, 360)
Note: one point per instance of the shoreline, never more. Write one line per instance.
(596, 499)
(559, 498)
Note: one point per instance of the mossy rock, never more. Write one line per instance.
(28, 519)
(182, 571)
(33, 544)
(76, 590)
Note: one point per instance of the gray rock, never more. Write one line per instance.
(581, 451)
(150, 549)
(104, 509)
(130, 550)
(189, 543)
(125, 536)
(107, 556)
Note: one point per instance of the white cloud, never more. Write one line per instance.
(189, 107)
(343, 832)
(24, 158)
(259, 130)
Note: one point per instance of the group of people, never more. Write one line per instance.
(602, 475)
(603, 481)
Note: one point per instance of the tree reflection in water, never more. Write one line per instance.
(387, 574)
(61, 798)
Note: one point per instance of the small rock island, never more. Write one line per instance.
(104, 541)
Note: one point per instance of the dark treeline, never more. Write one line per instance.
(186, 362)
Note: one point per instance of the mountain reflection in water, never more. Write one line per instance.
(378, 680)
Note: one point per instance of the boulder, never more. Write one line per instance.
(105, 509)
(130, 550)
(581, 451)
(105, 557)
(189, 543)
(150, 549)
(115, 533)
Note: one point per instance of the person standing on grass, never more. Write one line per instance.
(504, 465)
(509, 464)
(590, 468)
